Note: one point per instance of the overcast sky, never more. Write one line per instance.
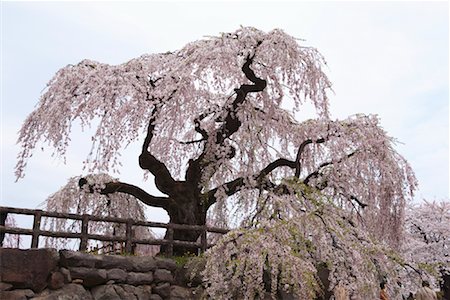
(385, 58)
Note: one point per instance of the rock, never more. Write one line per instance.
(70, 291)
(104, 292)
(17, 294)
(163, 275)
(166, 263)
(66, 274)
(27, 268)
(155, 297)
(56, 280)
(143, 264)
(5, 286)
(139, 278)
(114, 262)
(118, 275)
(128, 293)
(141, 292)
(90, 277)
(78, 259)
(122, 291)
(180, 293)
(147, 289)
(162, 289)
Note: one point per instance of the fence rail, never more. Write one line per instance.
(84, 236)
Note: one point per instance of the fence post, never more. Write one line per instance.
(170, 236)
(203, 239)
(129, 236)
(36, 228)
(84, 232)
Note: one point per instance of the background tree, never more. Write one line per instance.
(70, 199)
(220, 132)
(427, 244)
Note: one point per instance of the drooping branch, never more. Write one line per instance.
(121, 187)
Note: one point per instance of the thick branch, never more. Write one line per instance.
(121, 187)
(231, 121)
(230, 124)
(163, 180)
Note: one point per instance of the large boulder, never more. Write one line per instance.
(27, 269)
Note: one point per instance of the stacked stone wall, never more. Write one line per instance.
(46, 274)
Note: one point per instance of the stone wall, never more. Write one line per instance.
(47, 274)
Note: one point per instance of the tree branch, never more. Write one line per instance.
(237, 184)
(163, 180)
(230, 125)
(301, 148)
(231, 121)
(121, 187)
(316, 173)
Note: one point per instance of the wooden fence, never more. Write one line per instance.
(84, 235)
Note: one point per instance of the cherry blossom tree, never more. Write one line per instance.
(69, 199)
(219, 127)
(426, 247)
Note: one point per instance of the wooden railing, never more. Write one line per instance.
(85, 236)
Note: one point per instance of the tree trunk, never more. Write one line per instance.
(187, 210)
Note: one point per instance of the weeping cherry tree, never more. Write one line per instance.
(219, 128)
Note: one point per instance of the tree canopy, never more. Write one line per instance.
(220, 133)
(426, 243)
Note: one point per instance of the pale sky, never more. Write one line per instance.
(385, 58)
